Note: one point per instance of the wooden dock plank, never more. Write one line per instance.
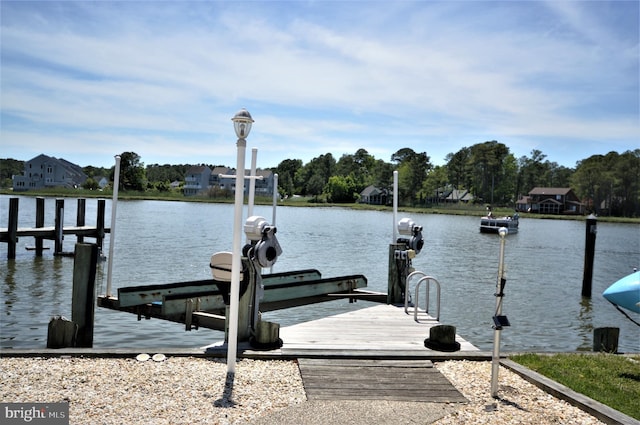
(380, 328)
(353, 379)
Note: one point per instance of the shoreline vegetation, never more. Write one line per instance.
(477, 210)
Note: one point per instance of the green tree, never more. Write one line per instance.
(458, 168)
(315, 186)
(132, 172)
(412, 171)
(90, 184)
(438, 177)
(486, 161)
(286, 171)
(341, 189)
(323, 167)
(8, 168)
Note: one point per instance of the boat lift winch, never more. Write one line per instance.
(205, 303)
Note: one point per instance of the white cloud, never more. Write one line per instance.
(163, 79)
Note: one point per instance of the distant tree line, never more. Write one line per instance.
(608, 184)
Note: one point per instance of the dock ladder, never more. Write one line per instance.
(424, 278)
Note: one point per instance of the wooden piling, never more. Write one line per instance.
(606, 339)
(100, 224)
(39, 224)
(61, 332)
(80, 214)
(59, 226)
(396, 277)
(589, 254)
(12, 228)
(83, 294)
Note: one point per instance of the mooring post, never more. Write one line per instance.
(12, 228)
(100, 223)
(80, 216)
(39, 223)
(83, 293)
(59, 226)
(589, 253)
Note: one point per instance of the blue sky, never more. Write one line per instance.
(86, 81)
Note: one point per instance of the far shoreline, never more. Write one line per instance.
(475, 210)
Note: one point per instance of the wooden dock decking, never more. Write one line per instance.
(380, 331)
(393, 380)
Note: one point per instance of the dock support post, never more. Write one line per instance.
(83, 293)
(13, 228)
(59, 224)
(606, 339)
(39, 224)
(80, 216)
(397, 276)
(100, 223)
(589, 254)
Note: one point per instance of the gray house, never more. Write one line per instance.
(374, 196)
(202, 178)
(196, 180)
(46, 171)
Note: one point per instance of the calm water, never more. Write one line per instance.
(163, 242)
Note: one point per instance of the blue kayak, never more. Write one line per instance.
(625, 292)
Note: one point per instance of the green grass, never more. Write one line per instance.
(611, 379)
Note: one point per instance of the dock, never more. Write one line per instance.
(382, 331)
(12, 232)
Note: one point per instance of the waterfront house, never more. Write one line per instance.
(459, 195)
(202, 178)
(551, 200)
(374, 196)
(46, 172)
(196, 180)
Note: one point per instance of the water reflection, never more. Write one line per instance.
(585, 324)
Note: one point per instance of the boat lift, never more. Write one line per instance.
(205, 303)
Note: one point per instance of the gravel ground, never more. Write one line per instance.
(188, 390)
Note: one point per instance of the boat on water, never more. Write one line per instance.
(625, 292)
(491, 224)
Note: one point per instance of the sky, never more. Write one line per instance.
(86, 81)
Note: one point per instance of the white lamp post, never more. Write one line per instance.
(242, 124)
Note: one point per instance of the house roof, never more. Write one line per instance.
(370, 190)
(197, 169)
(550, 191)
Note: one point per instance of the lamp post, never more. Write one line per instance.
(242, 124)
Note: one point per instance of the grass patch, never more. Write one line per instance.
(611, 379)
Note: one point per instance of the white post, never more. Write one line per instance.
(495, 359)
(274, 203)
(112, 234)
(395, 207)
(252, 181)
(236, 262)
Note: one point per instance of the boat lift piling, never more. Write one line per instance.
(401, 252)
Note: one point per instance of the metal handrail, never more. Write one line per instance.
(427, 279)
(406, 289)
